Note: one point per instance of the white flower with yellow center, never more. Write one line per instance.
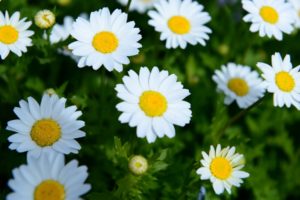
(296, 5)
(50, 125)
(270, 17)
(223, 168)
(139, 5)
(14, 35)
(48, 178)
(105, 39)
(282, 80)
(180, 22)
(153, 102)
(239, 83)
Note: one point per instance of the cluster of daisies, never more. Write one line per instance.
(152, 99)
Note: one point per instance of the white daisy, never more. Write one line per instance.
(239, 83)
(270, 17)
(105, 39)
(296, 5)
(139, 5)
(223, 168)
(283, 80)
(180, 22)
(14, 35)
(48, 178)
(49, 125)
(153, 102)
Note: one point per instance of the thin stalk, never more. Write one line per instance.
(236, 117)
(128, 5)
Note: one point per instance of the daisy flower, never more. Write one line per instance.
(48, 178)
(153, 102)
(270, 17)
(223, 168)
(180, 22)
(14, 35)
(49, 125)
(139, 5)
(239, 83)
(105, 39)
(282, 80)
(296, 5)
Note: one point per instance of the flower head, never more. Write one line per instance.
(138, 165)
(48, 178)
(139, 5)
(153, 102)
(44, 19)
(49, 125)
(282, 80)
(14, 35)
(239, 83)
(223, 168)
(270, 17)
(180, 22)
(105, 39)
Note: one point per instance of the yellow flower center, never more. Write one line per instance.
(179, 25)
(45, 132)
(221, 168)
(49, 190)
(285, 81)
(269, 14)
(153, 103)
(138, 164)
(238, 86)
(8, 34)
(105, 42)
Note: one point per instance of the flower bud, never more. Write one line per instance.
(138, 165)
(44, 19)
(64, 2)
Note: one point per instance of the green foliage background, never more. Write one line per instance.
(267, 136)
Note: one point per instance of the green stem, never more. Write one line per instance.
(128, 5)
(236, 117)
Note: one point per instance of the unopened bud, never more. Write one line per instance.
(138, 165)
(44, 19)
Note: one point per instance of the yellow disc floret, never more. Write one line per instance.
(105, 42)
(238, 86)
(284, 81)
(269, 14)
(221, 168)
(45, 132)
(8, 34)
(179, 25)
(49, 190)
(153, 103)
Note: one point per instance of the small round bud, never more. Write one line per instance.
(138, 165)
(64, 2)
(50, 91)
(44, 19)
